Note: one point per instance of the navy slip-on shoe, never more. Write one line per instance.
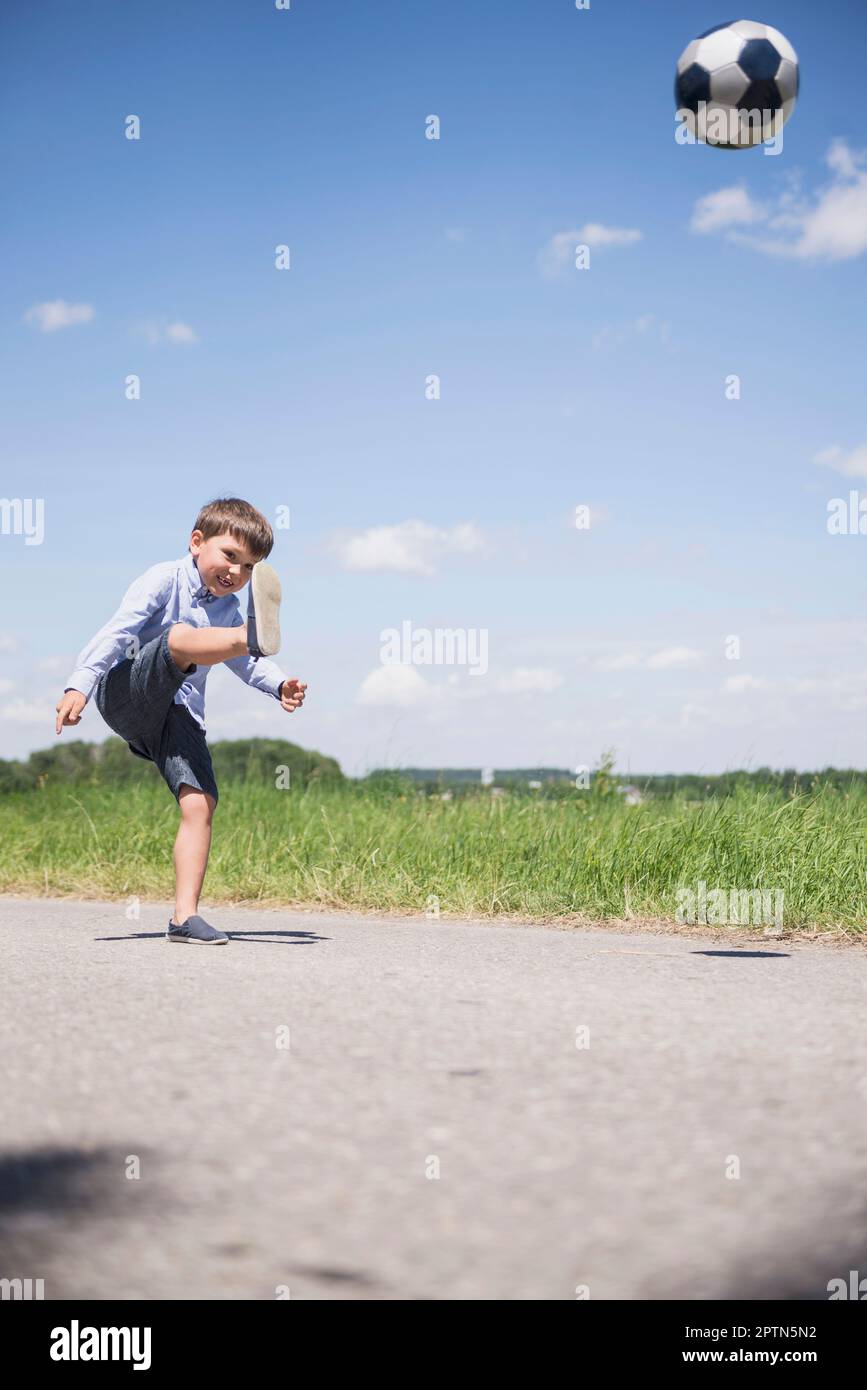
(263, 611)
(196, 932)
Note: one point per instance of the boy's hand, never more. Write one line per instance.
(69, 708)
(292, 694)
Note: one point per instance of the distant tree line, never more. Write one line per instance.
(558, 783)
(77, 763)
(257, 760)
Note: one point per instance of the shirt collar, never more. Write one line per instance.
(198, 590)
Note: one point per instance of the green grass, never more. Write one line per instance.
(519, 855)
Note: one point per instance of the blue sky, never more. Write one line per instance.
(412, 257)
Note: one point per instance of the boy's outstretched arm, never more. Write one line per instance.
(115, 640)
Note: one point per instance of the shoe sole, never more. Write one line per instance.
(266, 604)
(197, 941)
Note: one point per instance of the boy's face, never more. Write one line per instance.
(224, 563)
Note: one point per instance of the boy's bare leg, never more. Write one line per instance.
(192, 846)
(206, 646)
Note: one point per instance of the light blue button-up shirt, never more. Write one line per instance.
(171, 592)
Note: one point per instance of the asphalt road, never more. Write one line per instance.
(432, 1130)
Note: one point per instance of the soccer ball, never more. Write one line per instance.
(737, 84)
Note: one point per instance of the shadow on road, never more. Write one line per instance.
(805, 1271)
(299, 938)
(309, 937)
(50, 1179)
(738, 954)
(49, 1198)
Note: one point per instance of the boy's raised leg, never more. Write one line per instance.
(205, 646)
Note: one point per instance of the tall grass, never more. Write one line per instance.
(392, 849)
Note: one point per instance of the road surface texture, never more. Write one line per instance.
(344, 1107)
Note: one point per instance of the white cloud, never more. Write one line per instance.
(399, 685)
(830, 227)
(6, 685)
(725, 208)
(846, 691)
(455, 234)
(181, 333)
(27, 712)
(851, 465)
(56, 313)
(595, 234)
(536, 680)
(8, 643)
(54, 664)
(841, 159)
(559, 252)
(836, 228)
(739, 685)
(176, 332)
(670, 658)
(411, 547)
(665, 659)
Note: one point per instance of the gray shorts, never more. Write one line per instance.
(136, 700)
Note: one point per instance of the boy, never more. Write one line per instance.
(148, 665)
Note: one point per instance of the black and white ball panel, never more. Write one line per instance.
(734, 68)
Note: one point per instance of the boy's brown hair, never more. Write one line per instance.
(239, 519)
